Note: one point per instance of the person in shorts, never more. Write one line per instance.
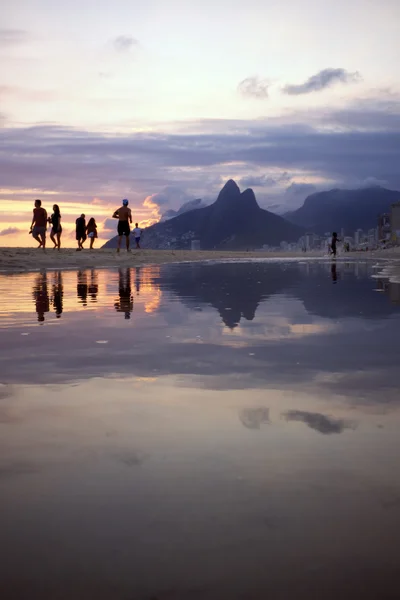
(124, 217)
(80, 224)
(39, 224)
(137, 234)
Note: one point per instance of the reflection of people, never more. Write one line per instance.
(41, 296)
(125, 302)
(137, 233)
(93, 286)
(56, 229)
(39, 224)
(80, 231)
(91, 230)
(334, 273)
(138, 280)
(124, 217)
(82, 287)
(58, 293)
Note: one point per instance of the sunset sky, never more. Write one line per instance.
(162, 102)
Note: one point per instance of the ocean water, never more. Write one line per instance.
(200, 431)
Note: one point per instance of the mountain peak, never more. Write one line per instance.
(231, 186)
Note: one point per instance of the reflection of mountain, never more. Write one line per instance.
(237, 289)
(322, 423)
(234, 289)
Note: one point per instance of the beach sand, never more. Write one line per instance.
(34, 259)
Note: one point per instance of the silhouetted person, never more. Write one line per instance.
(125, 302)
(82, 287)
(334, 241)
(39, 224)
(80, 224)
(93, 286)
(41, 296)
(137, 234)
(58, 293)
(91, 230)
(124, 217)
(56, 229)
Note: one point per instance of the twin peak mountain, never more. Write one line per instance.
(233, 222)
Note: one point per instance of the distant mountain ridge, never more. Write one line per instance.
(348, 209)
(233, 222)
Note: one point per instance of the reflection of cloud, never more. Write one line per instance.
(253, 418)
(125, 43)
(322, 423)
(254, 87)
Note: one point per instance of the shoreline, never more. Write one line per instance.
(14, 260)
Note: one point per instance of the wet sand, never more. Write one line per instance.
(33, 259)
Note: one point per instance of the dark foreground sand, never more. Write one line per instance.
(33, 259)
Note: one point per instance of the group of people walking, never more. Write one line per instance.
(84, 230)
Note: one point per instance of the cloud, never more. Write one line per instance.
(169, 169)
(322, 80)
(10, 231)
(254, 87)
(125, 43)
(186, 207)
(264, 180)
(300, 189)
(10, 37)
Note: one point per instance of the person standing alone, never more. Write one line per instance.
(80, 224)
(39, 224)
(124, 216)
(137, 233)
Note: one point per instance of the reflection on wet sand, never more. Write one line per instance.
(323, 423)
(124, 304)
(58, 293)
(234, 426)
(41, 296)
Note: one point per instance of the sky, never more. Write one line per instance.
(162, 102)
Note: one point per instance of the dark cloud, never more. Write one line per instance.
(174, 168)
(125, 43)
(322, 80)
(264, 180)
(300, 189)
(254, 87)
(12, 36)
(9, 231)
(322, 423)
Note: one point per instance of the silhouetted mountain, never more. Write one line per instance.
(234, 221)
(348, 209)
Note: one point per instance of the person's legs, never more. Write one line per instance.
(119, 243)
(43, 236)
(59, 239)
(53, 239)
(127, 241)
(91, 243)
